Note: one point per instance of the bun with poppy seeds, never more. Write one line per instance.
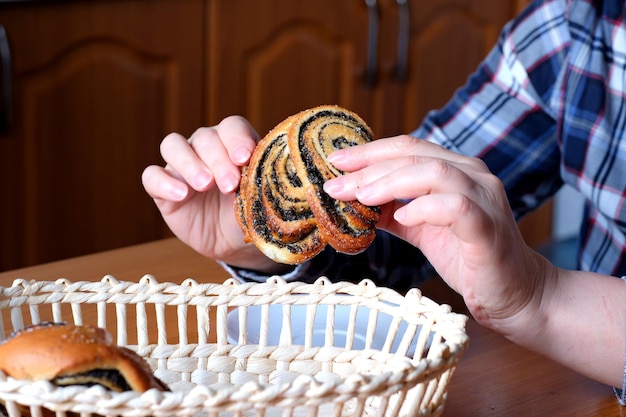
(281, 206)
(67, 354)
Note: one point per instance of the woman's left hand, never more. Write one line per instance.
(456, 211)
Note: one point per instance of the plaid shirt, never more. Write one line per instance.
(548, 106)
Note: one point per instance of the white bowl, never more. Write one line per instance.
(298, 327)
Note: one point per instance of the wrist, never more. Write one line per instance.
(526, 310)
(532, 322)
(251, 259)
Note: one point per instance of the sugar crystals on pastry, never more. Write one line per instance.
(281, 205)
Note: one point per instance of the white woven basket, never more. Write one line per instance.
(184, 331)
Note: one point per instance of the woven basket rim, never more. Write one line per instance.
(401, 372)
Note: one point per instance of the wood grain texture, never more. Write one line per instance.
(96, 86)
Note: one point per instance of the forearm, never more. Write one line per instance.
(581, 323)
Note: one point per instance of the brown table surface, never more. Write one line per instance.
(494, 378)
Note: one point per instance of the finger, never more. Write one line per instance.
(224, 148)
(400, 179)
(238, 137)
(211, 151)
(357, 157)
(347, 186)
(456, 212)
(184, 163)
(160, 184)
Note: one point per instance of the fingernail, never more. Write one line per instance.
(365, 193)
(400, 214)
(229, 182)
(178, 192)
(336, 157)
(333, 186)
(202, 180)
(241, 155)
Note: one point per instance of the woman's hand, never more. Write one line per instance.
(456, 212)
(195, 190)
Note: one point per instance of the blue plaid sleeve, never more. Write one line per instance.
(620, 393)
(503, 114)
(388, 261)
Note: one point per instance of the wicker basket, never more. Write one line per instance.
(184, 331)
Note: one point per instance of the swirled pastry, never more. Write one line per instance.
(67, 354)
(281, 205)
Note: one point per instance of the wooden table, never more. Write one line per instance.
(495, 378)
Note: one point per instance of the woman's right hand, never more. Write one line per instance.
(195, 191)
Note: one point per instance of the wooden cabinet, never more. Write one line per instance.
(446, 41)
(95, 87)
(97, 84)
(269, 60)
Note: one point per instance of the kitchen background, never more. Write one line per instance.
(89, 88)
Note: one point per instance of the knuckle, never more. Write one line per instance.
(233, 121)
(146, 175)
(168, 142)
(493, 182)
(463, 205)
(412, 159)
(405, 143)
(203, 136)
(439, 168)
(478, 164)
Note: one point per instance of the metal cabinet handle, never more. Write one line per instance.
(5, 63)
(404, 23)
(371, 67)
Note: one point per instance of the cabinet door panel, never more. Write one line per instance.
(83, 172)
(268, 60)
(270, 74)
(89, 113)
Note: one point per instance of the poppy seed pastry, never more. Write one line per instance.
(281, 205)
(67, 354)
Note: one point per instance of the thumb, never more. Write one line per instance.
(388, 221)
